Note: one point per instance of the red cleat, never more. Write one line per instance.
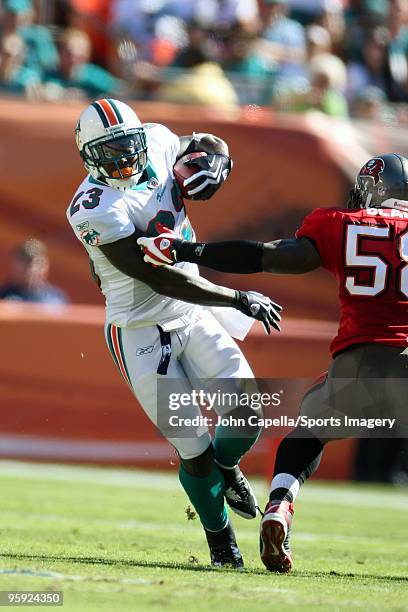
(275, 531)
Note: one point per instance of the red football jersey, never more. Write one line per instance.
(367, 251)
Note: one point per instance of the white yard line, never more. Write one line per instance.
(55, 449)
(89, 475)
(355, 495)
(327, 493)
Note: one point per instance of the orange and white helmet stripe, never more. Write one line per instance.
(108, 112)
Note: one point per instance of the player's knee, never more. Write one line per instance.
(200, 466)
(242, 422)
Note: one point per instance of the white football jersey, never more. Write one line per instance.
(100, 214)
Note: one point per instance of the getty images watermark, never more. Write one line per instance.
(223, 398)
(339, 408)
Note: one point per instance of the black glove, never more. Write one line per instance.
(259, 307)
(213, 172)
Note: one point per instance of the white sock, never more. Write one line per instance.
(285, 481)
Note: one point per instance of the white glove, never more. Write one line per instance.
(160, 250)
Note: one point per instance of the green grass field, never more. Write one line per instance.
(120, 540)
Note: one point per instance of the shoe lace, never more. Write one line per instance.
(240, 488)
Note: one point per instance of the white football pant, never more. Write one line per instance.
(199, 348)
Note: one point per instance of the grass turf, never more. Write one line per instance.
(120, 540)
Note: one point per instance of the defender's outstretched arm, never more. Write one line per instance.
(289, 256)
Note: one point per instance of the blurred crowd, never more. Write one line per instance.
(28, 276)
(340, 57)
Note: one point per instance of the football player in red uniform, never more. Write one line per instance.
(365, 246)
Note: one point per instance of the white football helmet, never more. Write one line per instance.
(112, 143)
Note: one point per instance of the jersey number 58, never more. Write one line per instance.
(378, 265)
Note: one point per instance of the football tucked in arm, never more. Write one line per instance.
(199, 175)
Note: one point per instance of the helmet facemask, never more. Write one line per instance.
(369, 189)
(365, 194)
(118, 159)
(355, 200)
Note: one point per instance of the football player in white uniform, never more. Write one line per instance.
(158, 325)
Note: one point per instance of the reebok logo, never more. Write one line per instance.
(144, 350)
(82, 226)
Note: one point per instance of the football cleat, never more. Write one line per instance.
(238, 493)
(224, 551)
(274, 537)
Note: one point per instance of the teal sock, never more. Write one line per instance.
(207, 496)
(230, 446)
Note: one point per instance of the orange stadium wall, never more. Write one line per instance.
(60, 396)
(63, 400)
